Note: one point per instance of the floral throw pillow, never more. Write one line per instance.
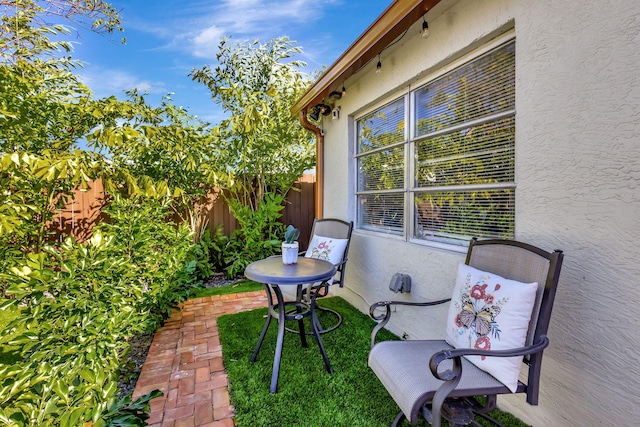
(489, 312)
(327, 248)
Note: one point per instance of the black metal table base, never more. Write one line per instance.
(299, 312)
(321, 328)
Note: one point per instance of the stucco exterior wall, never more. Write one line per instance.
(578, 179)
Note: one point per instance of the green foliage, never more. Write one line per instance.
(260, 148)
(25, 27)
(126, 412)
(9, 354)
(214, 244)
(81, 303)
(161, 144)
(258, 235)
(42, 106)
(158, 253)
(201, 254)
(35, 185)
(78, 303)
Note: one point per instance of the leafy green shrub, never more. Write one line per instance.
(158, 251)
(258, 235)
(79, 311)
(217, 242)
(81, 304)
(208, 253)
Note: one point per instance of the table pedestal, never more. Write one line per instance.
(278, 311)
(273, 273)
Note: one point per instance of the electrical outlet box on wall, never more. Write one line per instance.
(400, 283)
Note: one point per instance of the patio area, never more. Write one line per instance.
(185, 363)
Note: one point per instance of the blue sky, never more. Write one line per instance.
(167, 39)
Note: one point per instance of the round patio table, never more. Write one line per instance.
(273, 274)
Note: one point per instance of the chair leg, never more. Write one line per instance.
(316, 333)
(334, 326)
(399, 419)
(303, 336)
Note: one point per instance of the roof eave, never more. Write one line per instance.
(399, 16)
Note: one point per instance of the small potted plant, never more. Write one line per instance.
(290, 245)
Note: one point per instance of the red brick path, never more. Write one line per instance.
(185, 363)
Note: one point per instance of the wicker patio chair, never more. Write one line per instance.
(448, 379)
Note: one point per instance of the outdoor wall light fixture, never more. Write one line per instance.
(335, 95)
(315, 112)
(425, 28)
(378, 66)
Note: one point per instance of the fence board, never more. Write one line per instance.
(81, 213)
(85, 210)
(299, 209)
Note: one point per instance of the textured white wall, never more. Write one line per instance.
(578, 176)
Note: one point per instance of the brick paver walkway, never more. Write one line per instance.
(185, 363)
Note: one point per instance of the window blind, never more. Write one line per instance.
(381, 169)
(480, 88)
(462, 155)
(382, 212)
(382, 127)
(481, 154)
(465, 151)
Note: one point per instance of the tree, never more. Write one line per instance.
(26, 25)
(260, 147)
(260, 150)
(161, 145)
(79, 303)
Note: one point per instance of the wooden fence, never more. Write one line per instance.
(81, 214)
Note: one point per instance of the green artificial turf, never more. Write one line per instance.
(245, 286)
(307, 395)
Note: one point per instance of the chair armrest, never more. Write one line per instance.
(322, 289)
(383, 319)
(456, 354)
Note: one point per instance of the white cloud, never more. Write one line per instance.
(197, 27)
(203, 43)
(107, 82)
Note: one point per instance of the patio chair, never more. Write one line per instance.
(330, 239)
(498, 318)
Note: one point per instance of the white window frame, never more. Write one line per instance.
(408, 93)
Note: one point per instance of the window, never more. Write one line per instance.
(381, 169)
(444, 171)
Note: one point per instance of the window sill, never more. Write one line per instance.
(426, 243)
